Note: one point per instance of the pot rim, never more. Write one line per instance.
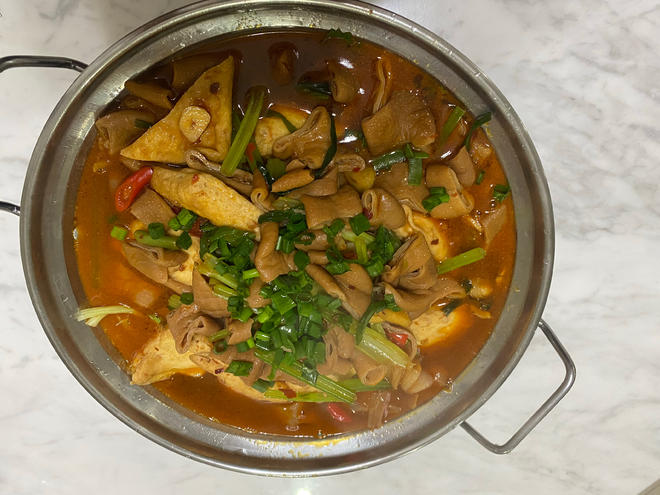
(421, 35)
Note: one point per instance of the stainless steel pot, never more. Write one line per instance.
(47, 209)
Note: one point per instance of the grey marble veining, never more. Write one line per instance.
(585, 79)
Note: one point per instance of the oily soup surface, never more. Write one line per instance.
(109, 280)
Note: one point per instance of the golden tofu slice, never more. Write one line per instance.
(165, 141)
(269, 129)
(159, 359)
(434, 326)
(207, 196)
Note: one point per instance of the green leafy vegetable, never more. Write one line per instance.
(239, 368)
(438, 196)
(359, 223)
(156, 230)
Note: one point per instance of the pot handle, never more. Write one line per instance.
(14, 61)
(541, 412)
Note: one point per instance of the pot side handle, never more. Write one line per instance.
(542, 411)
(14, 61)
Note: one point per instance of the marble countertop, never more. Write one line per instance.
(585, 79)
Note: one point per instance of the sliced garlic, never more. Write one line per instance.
(193, 122)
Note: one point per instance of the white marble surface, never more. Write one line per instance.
(585, 78)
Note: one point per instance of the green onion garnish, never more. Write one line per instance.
(166, 242)
(356, 385)
(332, 150)
(478, 122)
(290, 127)
(466, 258)
(301, 259)
(385, 162)
(297, 370)
(361, 251)
(184, 241)
(244, 133)
(339, 34)
(219, 335)
(282, 303)
(173, 302)
(414, 165)
(500, 192)
(276, 167)
(239, 368)
(143, 124)
(156, 230)
(187, 298)
(93, 316)
(379, 348)
(438, 196)
(250, 274)
(224, 291)
(118, 233)
(450, 124)
(262, 385)
(284, 203)
(451, 306)
(359, 223)
(319, 89)
(480, 177)
(156, 318)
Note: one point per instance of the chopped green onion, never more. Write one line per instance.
(339, 34)
(93, 316)
(174, 224)
(466, 258)
(219, 335)
(184, 241)
(239, 368)
(187, 298)
(242, 346)
(156, 230)
(250, 274)
(480, 177)
(451, 123)
(118, 233)
(438, 196)
(166, 242)
(451, 306)
(359, 223)
(262, 385)
(330, 153)
(361, 250)
(385, 162)
(356, 385)
(264, 337)
(414, 166)
(306, 397)
(276, 167)
(297, 370)
(282, 303)
(284, 244)
(284, 203)
(244, 314)
(186, 218)
(173, 302)
(224, 291)
(319, 89)
(156, 318)
(378, 347)
(244, 133)
(143, 124)
(289, 126)
(301, 259)
(500, 192)
(478, 122)
(266, 314)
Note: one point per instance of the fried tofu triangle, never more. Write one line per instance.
(166, 140)
(206, 196)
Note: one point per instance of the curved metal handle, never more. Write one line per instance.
(542, 411)
(14, 61)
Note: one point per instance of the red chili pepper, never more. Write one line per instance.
(131, 187)
(339, 413)
(367, 213)
(289, 393)
(249, 150)
(399, 339)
